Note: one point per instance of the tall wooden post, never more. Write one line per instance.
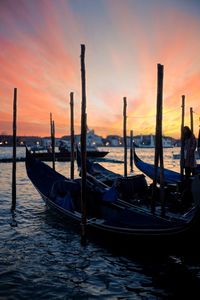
(72, 133)
(125, 137)
(83, 148)
(191, 120)
(162, 185)
(50, 124)
(52, 134)
(182, 141)
(131, 150)
(13, 206)
(158, 141)
(198, 141)
(53, 145)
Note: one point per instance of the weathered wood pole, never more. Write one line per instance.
(52, 134)
(158, 141)
(72, 133)
(53, 145)
(182, 141)
(198, 141)
(50, 124)
(13, 206)
(83, 148)
(160, 117)
(191, 120)
(125, 137)
(131, 150)
(162, 185)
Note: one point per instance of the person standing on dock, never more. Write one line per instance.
(190, 145)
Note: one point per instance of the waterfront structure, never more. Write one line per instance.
(148, 141)
(142, 141)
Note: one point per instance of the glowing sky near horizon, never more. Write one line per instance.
(125, 40)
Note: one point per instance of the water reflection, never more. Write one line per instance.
(42, 257)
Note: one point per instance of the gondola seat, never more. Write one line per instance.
(131, 187)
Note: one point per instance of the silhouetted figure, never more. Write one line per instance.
(190, 145)
(63, 147)
(198, 144)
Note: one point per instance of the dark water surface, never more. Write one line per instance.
(41, 257)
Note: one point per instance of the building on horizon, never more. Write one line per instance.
(148, 141)
(142, 141)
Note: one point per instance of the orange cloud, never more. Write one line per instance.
(124, 42)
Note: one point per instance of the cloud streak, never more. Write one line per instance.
(124, 42)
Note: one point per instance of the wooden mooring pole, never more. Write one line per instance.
(124, 134)
(83, 148)
(13, 206)
(198, 141)
(158, 143)
(191, 120)
(72, 133)
(182, 142)
(53, 145)
(131, 150)
(52, 132)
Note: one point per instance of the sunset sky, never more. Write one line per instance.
(125, 40)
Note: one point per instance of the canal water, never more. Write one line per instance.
(41, 256)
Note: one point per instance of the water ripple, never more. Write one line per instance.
(41, 257)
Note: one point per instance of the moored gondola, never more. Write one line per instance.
(170, 176)
(106, 214)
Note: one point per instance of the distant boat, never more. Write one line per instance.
(64, 154)
(178, 155)
(35, 148)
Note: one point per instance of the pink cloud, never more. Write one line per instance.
(42, 61)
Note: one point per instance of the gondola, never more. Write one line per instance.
(97, 170)
(45, 155)
(148, 169)
(170, 177)
(107, 215)
(129, 188)
(108, 177)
